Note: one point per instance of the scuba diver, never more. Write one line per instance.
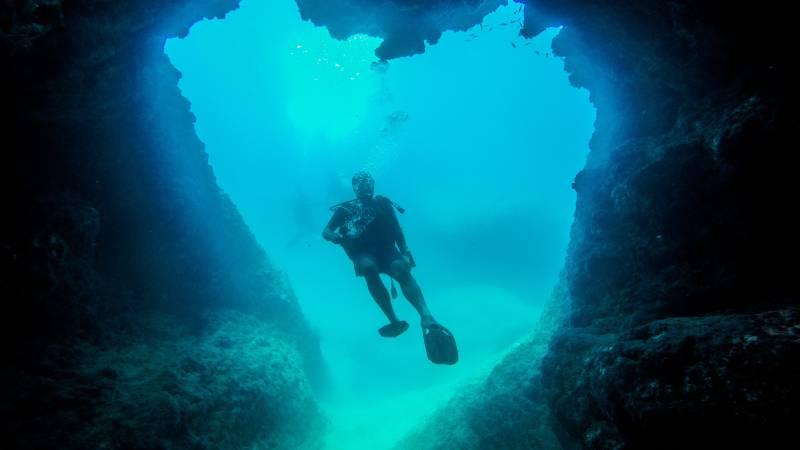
(368, 230)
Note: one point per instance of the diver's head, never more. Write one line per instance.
(363, 185)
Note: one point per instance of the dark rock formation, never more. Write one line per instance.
(683, 327)
(404, 25)
(680, 228)
(239, 384)
(119, 253)
(712, 381)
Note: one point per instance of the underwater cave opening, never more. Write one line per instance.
(478, 138)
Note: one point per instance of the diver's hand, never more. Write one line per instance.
(332, 236)
(407, 255)
(342, 239)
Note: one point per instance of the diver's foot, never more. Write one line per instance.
(428, 322)
(394, 329)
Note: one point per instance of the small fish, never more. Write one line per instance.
(502, 24)
(537, 52)
(547, 55)
(514, 45)
(473, 35)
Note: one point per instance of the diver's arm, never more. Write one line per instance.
(329, 232)
(399, 236)
(330, 235)
(403, 246)
(400, 239)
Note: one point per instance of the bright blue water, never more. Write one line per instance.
(479, 140)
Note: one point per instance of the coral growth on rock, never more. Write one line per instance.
(238, 384)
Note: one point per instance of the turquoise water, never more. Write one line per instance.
(478, 139)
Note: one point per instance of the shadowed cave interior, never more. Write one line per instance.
(144, 312)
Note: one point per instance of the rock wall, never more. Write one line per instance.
(683, 324)
(121, 261)
(675, 267)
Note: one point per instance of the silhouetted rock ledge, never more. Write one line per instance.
(405, 26)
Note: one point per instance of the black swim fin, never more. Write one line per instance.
(393, 329)
(440, 344)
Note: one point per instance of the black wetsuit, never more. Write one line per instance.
(371, 229)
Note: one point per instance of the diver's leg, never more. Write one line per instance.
(376, 287)
(381, 295)
(401, 272)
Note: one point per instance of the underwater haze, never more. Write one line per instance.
(479, 139)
